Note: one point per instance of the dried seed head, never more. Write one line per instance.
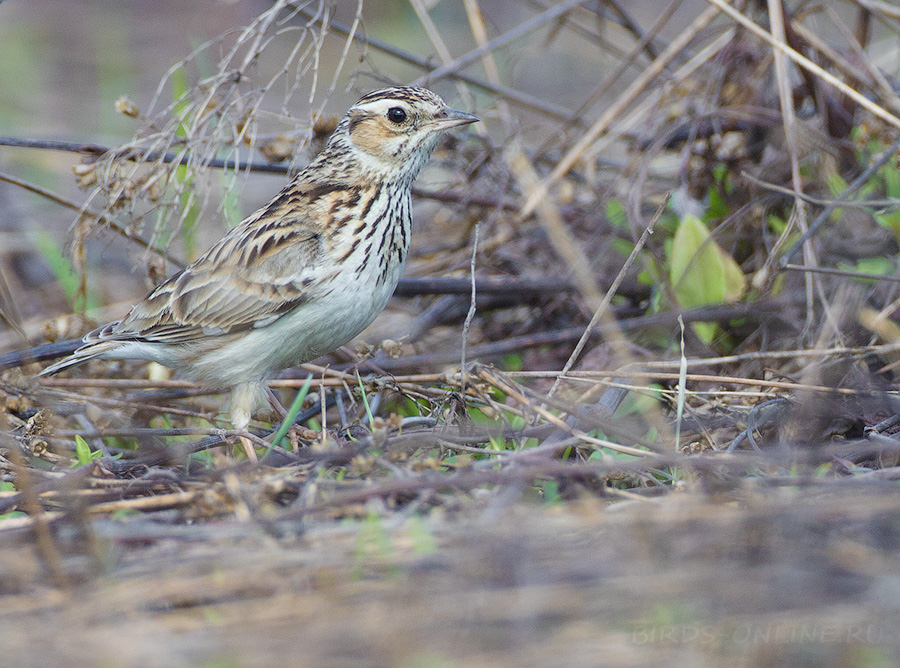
(127, 107)
(156, 270)
(240, 129)
(85, 175)
(278, 149)
(392, 348)
(364, 349)
(323, 127)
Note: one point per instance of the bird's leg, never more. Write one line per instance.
(243, 399)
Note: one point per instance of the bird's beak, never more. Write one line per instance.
(452, 118)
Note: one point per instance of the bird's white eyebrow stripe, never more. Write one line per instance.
(381, 107)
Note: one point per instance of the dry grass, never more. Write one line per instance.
(603, 468)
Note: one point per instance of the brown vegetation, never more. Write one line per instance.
(634, 402)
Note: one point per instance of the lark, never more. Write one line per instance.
(301, 276)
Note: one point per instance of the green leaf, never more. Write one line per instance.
(231, 202)
(836, 183)
(639, 403)
(615, 214)
(423, 540)
(650, 274)
(513, 362)
(9, 487)
(291, 415)
(706, 331)
(777, 224)
(870, 265)
(718, 207)
(551, 492)
(876, 265)
(778, 284)
(644, 278)
(701, 272)
(190, 211)
(622, 246)
(891, 221)
(696, 270)
(365, 401)
(891, 181)
(720, 173)
(83, 453)
(64, 272)
(181, 99)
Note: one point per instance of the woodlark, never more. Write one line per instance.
(301, 276)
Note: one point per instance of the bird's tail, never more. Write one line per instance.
(83, 353)
(48, 351)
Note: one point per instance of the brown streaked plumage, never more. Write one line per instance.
(301, 276)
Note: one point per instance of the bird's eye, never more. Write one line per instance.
(396, 115)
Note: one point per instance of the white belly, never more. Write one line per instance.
(311, 330)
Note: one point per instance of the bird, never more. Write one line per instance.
(301, 276)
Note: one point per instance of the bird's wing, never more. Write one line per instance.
(264, 268)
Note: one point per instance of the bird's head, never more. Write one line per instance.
(392, 132)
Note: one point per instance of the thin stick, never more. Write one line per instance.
(434, 35)
(32, 505)
(146, 503)
(475, 54)
(186, 158)
(292, 414)
(513, 390)
(886, 204)
(523, 99)
(610, 293)
(644, 45)
(624, 100)
(885, 8)
(752, 382)
(807, 64)
(786, 102)
(844, 272)
(464, 377)
(561, 238)
(682, 385)
(888, 154)
(106, 220)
